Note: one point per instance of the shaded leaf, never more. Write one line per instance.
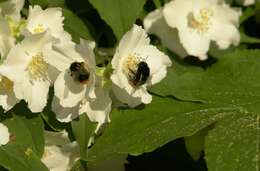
(120, 15)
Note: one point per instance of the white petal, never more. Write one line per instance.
(248, 2)
(50, 18)
(194, 43)
(99, 109)
(225, 35)
(136, 37)
(7, 100)
(86, 48)
(156, 61)
(34, 93)
(34, 44)
(64, 114)
(60, 158)
(176, 12)
(69, 92)
(56, 138)
(155, 23)
(15, 64)
(125, 97)
(61, 55)
(4, 134)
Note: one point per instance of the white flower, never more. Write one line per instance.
(59, 153)
(200, 21)
(248, 2)
(7, 97)
(155, 23)
(4, 134)
(137, 64)
(12, 8)
(76, 64)
(97, 110)
(40, 20)
(6, 39)
(31, 75)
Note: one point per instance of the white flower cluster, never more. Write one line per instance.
(188, 26)
(37, 53)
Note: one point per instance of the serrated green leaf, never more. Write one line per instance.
(75, 26)
(120, 15)
(83, 129)
(234, 143)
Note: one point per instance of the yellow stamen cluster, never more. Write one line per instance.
(131, 63)
(38, 68)
(6, 84)
(39, 29)
(200, 23)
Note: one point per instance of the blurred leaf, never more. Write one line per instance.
(195, 143)
(75, 26)
(57, 3)
(83, 129)
(249, 12)
(120, 15)
(26, 145)
(42, 3)
(234, 143)
(248, 39)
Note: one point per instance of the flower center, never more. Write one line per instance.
(6, 84)
(136, 70)
(201, 22)
(39, 29)
(38, 68)
(131, 63)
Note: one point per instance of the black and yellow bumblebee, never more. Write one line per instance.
(79, 72)
(140, 76)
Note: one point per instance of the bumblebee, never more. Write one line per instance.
(141, 75)
(79, 72)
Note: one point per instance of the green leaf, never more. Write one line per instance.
(57, 3)
(83, 129)
(248, 39)
(229, 87)
(249, 12)
(232, 81)
(195, 143)
(27, 132)
(75, 26)
(42, 3)
(15, 157)
(234, 143)
(120, 15)
(146, 128)
(26, 146)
